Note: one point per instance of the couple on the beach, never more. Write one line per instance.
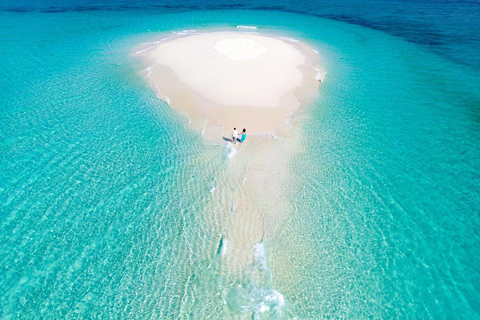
(235, 135)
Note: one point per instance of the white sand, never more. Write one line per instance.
(234, 79)
(222, 80)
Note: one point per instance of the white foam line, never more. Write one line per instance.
(238, 32)
(276, 137)
(273, 297)
(232, 152)
(260, 258)
(162, 96)
(149, 69)
(319, 76)
(246, 27)
(138, 52)
(288, 39)
(204, 127)
(224, 246)
(155, 43)
(287, 121)
(183, 32)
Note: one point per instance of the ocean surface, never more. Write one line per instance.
(107, 194)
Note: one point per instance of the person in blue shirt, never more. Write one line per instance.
(243, 136)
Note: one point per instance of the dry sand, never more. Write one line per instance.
(231, 79)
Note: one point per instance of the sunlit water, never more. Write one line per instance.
(113, 207)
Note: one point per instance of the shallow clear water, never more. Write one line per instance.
(109, 200)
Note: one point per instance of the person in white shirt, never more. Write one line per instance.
(234, 135)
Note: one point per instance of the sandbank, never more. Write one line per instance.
(223, 80)
(234, 79)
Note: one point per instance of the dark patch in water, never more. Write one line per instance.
(220, 246)
(20, 9)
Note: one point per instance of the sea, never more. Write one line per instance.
(111, 204)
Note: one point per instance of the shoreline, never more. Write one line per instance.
(243, 106)
(207, 114)
(247, 205)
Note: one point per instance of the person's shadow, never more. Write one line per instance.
(230, 140)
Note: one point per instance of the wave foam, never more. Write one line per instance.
(319, 75)
(261, 303)
(260, 255)
(246, 27)
(256, 296)
(183, 32)
(224, 246)
(155, 44)
(288, 39)
(274, 299)
(232, 152)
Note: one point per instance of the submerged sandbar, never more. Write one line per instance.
(234, 79)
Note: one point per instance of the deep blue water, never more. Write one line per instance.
(450, 28)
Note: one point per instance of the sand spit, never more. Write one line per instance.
(223, 80)
(233, 78)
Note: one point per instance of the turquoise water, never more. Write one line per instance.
(106, 192)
